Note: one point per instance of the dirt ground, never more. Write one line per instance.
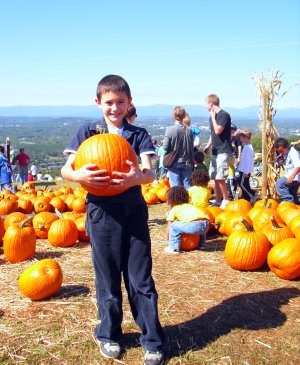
(211, 314)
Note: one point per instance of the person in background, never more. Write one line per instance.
(34, 171)
(295, 143)
(179, 137)
(287, 186)
(118, 228)
(199, 163)
(131, 114)
(47, 177)
(5, 172)
(13, 166)
(155, 159)
(161, 152)
(246, 167)
(23, 160)
(221, 151)
(196, 133)
(183, 218)
(199, 193)
(39, 176)
(237, 146)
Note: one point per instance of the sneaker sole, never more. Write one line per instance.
(109, 357)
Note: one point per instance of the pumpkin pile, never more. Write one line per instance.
(265, 233)
(32, 214)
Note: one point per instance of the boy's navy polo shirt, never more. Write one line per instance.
(139, 139)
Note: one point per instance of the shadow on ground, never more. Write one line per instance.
(251, 311)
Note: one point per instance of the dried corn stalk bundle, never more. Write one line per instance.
(268, 90)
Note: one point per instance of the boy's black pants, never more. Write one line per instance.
(120, 242)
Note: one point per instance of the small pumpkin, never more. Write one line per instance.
(267, 202)
(284, 259)
(25, 206)
(276, 232)
(189, 242)
(241, 206)
(151, 198)
(42, 222)
(80, 223)
(42, 204)
(63, 232)
(41, 280)
(108, 152)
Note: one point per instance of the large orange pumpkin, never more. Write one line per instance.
(41, 280)
(63, 232)
(246, 249)
(19, 242)
(284, 259)
(108, 152)
(189, 242)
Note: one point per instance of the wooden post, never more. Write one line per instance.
(264, 157)
(8, 149)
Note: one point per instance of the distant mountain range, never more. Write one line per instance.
(158, 110)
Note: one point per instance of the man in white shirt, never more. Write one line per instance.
(287, 186)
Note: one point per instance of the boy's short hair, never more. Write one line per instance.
(281, 142)
(112, 83)
(199, 156)
(177, 195)
(179, 113)
(246, 133)
(212, 98)
(200, 178)
(131, 111)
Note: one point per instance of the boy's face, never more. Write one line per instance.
(114, 106)
(282, 150)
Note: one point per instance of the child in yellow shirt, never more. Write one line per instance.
(183, 218)
(199, 192)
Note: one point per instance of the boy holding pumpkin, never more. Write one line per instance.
(118, 227)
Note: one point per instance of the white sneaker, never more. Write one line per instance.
(171, 250)
(223, 204)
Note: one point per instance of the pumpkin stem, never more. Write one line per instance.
(247, 225)
(265, 201)
(58, 213)
(24, 221)
(274, 223)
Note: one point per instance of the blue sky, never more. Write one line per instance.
(170, 52)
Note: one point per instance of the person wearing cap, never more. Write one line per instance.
(246, 167)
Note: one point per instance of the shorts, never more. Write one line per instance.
(219, 166)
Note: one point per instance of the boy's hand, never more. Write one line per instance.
(90, 175)
(125, 180)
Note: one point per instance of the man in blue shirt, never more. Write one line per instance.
(5, 173)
